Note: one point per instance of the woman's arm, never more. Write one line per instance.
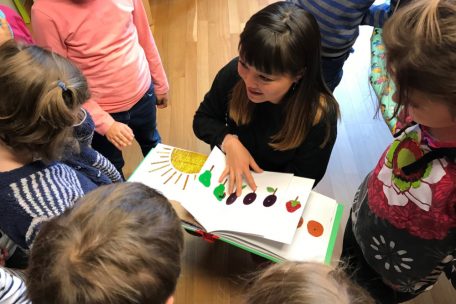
(210, 122)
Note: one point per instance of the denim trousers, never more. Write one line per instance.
(332, 69)
(141, 118)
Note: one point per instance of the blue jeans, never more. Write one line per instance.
(332, 69)
(141, 118)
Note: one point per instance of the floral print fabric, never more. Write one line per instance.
(406, 224)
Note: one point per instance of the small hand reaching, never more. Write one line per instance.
(3, 256)
(5, 33)
(238, 164)
(162, 100)
(120, 135)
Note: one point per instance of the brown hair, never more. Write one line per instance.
(420, 42)
(305, 283)
(121, 243)
(285, 40)
(40, 95)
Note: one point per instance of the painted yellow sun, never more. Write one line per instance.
(177, 165)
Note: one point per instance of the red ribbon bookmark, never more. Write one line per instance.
(207, 236)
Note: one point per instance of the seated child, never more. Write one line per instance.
(41, 96)
(120, 243)
(304, 282)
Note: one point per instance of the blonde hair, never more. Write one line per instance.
(121, 243)
(420, 42)
(40, 95)
(304, 283)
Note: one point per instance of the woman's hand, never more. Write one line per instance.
(238, 164)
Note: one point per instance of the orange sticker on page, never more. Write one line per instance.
(315, 228)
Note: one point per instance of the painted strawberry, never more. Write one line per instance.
(293, 205)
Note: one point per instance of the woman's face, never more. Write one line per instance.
(263, 87)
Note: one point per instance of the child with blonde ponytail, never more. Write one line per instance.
(401, 235)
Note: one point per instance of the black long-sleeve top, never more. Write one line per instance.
(211, 124)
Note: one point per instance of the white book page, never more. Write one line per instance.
(310, 243)
(284, 215)
(209, 204)
(263, 212)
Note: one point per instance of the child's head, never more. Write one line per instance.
(279, 58)
(121, 243)
(420, 41)
(304, 283)
(41, 94)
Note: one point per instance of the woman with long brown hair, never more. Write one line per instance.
(269, 108)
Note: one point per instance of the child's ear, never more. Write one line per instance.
(170, 300)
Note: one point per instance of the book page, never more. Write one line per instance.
(170, 170)
(310, 243)
(271, 211)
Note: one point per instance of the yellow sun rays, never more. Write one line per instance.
(178, 165)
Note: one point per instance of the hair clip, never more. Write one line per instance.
(82, 116)
(62, 85)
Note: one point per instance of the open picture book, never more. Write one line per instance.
(283, 219)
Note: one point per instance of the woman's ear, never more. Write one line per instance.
(298, 77)
(170, 300)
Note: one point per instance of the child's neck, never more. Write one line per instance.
(447, 134)
(9, 160)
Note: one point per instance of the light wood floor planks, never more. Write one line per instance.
(196, 38)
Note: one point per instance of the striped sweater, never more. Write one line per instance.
(12, 287)
(33, 194)
(339, 21)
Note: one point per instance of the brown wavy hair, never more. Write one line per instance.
(284, 39)
(420, 42)
(36, 114)
(121, 243)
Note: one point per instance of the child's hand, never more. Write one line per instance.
(120, 135)
(238, 164)
(3, 256)
(5, 33)
(162, 100)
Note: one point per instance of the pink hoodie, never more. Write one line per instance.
(111, 42)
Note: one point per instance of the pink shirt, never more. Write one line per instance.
(111, 42)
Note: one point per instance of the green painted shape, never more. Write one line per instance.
(270, 189)
(219, 192)
(205, 178)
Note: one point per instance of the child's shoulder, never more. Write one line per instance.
(52, 174)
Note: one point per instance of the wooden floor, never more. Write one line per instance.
(196, 38)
